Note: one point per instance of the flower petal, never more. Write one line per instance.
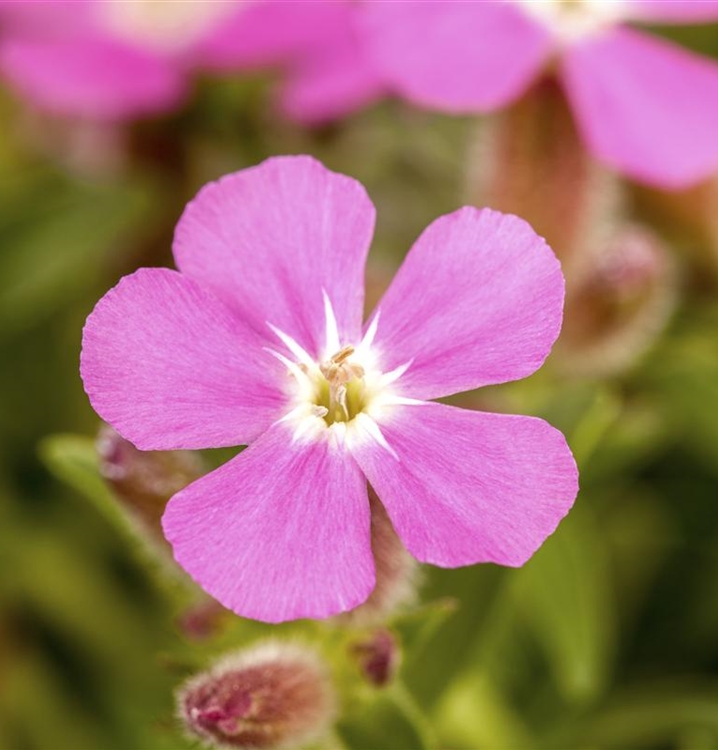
(671, 11)
(272, 239)
(329, 87)
(93, 77)
(456, 56)
(280, 532)
(478, 300)
(332, 79)
(169, 366)
(467, 487)
(645, 106)
(47, 18)
(270, 33)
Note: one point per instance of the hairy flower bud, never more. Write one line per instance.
(273, 695)
(396, 571)
(530, 161)
(378, 656)
(144, 480)
(619, 304)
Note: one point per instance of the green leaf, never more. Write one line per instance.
(564, 596)
(682, 376)
(470, 592)
(634, 438)
(416, 627)
(641, 532)
(649, 715)
(599, 417)
(50, 258)
(36, 708)
(473, 714)
(73, 459)
(385, 720)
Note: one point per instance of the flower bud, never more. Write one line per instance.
(268, 696)
(619, 304)
(144, 480)
(202, 619)
(396, 571)
(378, 657)
(529, 160)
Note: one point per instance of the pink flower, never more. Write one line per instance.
(258, 340)
(120, 60)
(335, 76)
(643, 105)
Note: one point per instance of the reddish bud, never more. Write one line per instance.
(144, 480)
(269, 696)
(202, 619)
(378, 657)
(529, 160)
(396, 571)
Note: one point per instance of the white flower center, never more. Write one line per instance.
(164, 25)
(343, 391)
(571, 20)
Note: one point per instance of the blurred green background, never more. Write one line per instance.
(608, 638)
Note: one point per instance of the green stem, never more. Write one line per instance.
(407, 704)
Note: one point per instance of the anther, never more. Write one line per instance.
(342, 355)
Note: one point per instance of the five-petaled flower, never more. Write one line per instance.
(258, 339)
(120, 60)
(643, 105)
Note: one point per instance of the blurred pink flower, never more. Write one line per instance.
(116, 60)
(643, 105)
(258, 339)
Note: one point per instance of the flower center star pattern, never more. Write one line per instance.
(343, 391)
(168, 26)
(258, 339)
(575, 19)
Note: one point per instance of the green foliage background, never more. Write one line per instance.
(608, 638)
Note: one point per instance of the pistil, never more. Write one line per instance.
(339, 372)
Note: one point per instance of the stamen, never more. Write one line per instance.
(343, 354)
(341, 399)
(358, 370)
(340, 374)
(337, 389)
